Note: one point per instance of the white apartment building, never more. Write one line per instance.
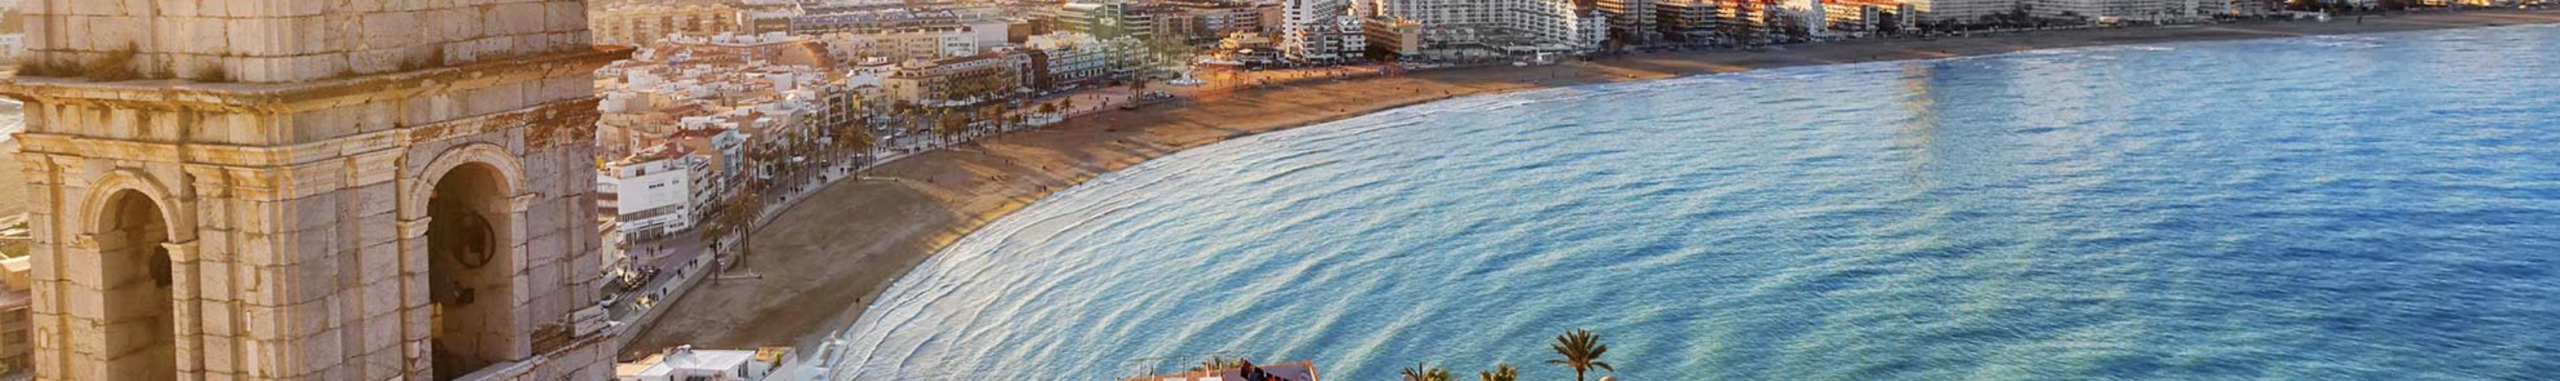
(930, 43)
(1808, 14)
(1959, 11)
(1455, 29)
(1632, 21)
(654, 191)
(1072, 59)
(1691, 21)
(1103, 19)
(1320, 32)
(1866, 15)
(2117, 10)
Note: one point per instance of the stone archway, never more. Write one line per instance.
(470, 276)
(137, 279)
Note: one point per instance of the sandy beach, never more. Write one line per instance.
(822, 261)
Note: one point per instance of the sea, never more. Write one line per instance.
(2366, 207)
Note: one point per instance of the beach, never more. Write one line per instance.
(819, 264)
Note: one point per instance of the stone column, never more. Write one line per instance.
(83, 309)
(417, 321)
(215, 285)
(47, 351)
(521, 314)
(375, 325)
(184, 298)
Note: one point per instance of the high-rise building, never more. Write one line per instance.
(1807, 16)
(1462, 29)
(1686, 20)
(1104, 19)
(1861, 15)
(2125, 10)
(1631, 21)
(407, 198)
(1959, 11)
(1320, 32)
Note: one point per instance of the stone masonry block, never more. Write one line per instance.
(565, 16)
(391, 30)
(220, 355)
(318, 66)
(378, 198)
(316, 244)
(82, 269)
(325, 123)
(457, 23)
(516, 19)
(381, 263)
(45, 294)
(268, 358)
(319, 350)
(87, 336)
(262, 249)
(263, 37)
(214, 280)
(83, 302)
(194, 35)
(322, 34)
(495, 99)
(381, 298)
(377, 229)
(220, 318)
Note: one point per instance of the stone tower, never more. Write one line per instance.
(312, 189)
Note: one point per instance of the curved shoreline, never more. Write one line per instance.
(824, 259)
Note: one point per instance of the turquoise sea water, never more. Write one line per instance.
(2379, 207)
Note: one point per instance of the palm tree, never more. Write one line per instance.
(1500, 372)
(852, 139)
(737, 217)
(1423, 372)
(952, 125)
(1581, 351)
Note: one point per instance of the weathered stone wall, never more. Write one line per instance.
(269, 41)
(297, 209)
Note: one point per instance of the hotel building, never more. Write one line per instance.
(1480, 29)
(1320, 32)
(1691, 21)
(1959, 11)
(1631, 21)
(2126, 10)
(652, 192)
(1865, 15)
(962, 81)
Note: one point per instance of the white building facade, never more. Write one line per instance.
(1320, 32)
(655, 193)
(1959, 11)
(2114, 10)
(1072, 59)
(1465, 28)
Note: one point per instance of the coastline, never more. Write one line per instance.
(853, 239)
